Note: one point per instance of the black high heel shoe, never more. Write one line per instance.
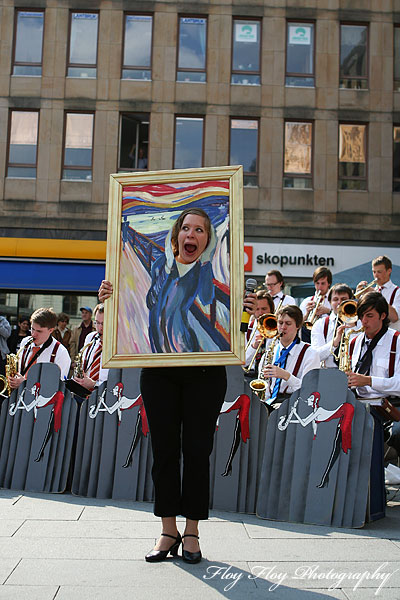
(159, 555)
(190, 557)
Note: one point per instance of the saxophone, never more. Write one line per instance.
(344, 350)
(11, 370)
(259, 386)
(78, 369)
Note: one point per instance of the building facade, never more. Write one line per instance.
(305, 94)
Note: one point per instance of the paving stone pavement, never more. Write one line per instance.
(62, 547)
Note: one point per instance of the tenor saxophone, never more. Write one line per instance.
(11, 370)
(259, 386)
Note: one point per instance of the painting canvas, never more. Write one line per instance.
(163, 312)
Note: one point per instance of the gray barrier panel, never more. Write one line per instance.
(296, 482)
(113, 456)
(36, 440)
(238, 491)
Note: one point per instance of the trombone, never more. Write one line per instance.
(365, 288)
(267, 325)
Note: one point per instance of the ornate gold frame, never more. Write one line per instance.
(234, 174)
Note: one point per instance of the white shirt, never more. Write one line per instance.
(323, 345)
(62, 358)
(325, 303)
(387, 290)
(382, 384)
(310, 361)
(286, 300)
(89, 353)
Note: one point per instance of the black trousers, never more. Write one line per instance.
(182, 406)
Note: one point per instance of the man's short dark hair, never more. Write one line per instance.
(264, 295)
(340, 288)
(373, 300)
(322, 272)
(44, 317)
(278, 275)
(382, 260)
(293, 312)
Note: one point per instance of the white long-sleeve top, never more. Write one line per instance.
(382, 384)
(286, 300)
(387, 292)
(303, 305)
(310, 361)
(323, 345)
(62, 358)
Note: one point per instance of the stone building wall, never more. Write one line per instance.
(78, 209)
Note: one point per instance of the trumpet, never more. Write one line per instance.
(259, 385)
(365, 288)
(312, 316)
(347, 314)
(267, 325)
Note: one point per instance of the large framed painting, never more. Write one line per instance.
(175, 259)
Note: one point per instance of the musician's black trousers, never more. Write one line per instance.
(182, 406)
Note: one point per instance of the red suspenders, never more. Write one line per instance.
(393, 294)
(326, 326)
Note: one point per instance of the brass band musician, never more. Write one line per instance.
(381, 270)
(275, 284)
(327, 332)
(291, 358)
(264, 305)
(313, 307)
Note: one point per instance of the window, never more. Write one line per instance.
(70, 305)
(352, 157)
(246, 45)
(244, 148)
(397, 59)
(22, 149)
(298, 155)
(78, 144)
(396, 158)
(192, 49)
(188, 142)
(137, 47)
(82, 59)
(28, 42)
(300, 54)
(353, 57)
(134, 141)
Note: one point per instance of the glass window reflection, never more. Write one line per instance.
(298, 155)
(23, 144)
(396, 158)
(246, 52)
(137, 47)
(78, 146)
(188, 142)
(244, 148)
(300, 54)
(353, 56)
(28, 43)
(192, 49)
(352, 157)
(83, 45)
